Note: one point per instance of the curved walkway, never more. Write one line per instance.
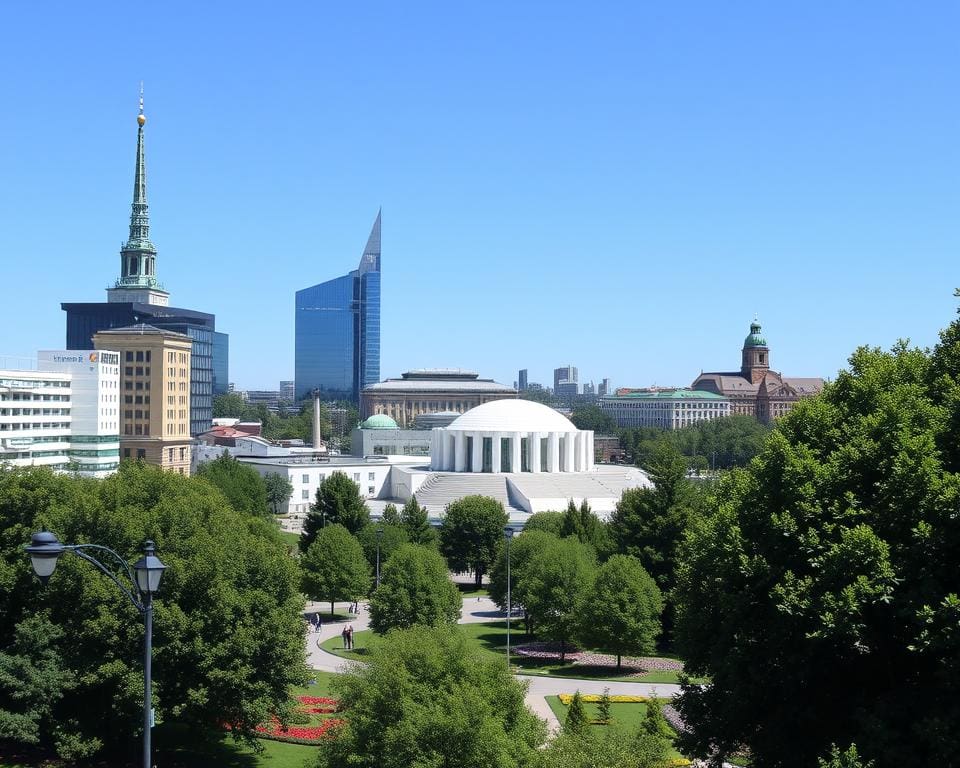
(476, 610)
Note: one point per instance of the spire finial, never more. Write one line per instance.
(141, 118)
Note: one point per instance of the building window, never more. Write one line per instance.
(141, 453)
(506, 454)
(371, 476)
(305, 494)
(126, 453)
(356, 477)
(371, 490)
(306, 479)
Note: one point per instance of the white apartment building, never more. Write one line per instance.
(35, 417)
(666, 409)
(95, 427)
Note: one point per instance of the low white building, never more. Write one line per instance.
(35, 416)
(665, 409)
(95, 414)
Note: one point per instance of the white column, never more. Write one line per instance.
(460, 452)
(578, 451)
(569, 449)
(477, 451)
(450, 455)
(590, 451)
(553, 453)
(534, 446)
(516, 445)
(496, 457)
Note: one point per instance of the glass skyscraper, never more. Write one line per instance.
(337, 330)
(221, 363)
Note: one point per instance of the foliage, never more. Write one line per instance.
(425, 699)
(471, 533)
(391, 515)
(414, 589)
(582, 523)
(821, 596)
(622, 613)
(576, 722)
(228, 639)
(557, 584)
(413, 518)
(609, 747)
(849, 758)
(654, 722)
(525, 549)
(294, 424)
(279, 490)
(592, 417)
(231, 405)
(334, 567)
(603, 708)
(550, 522)
(393, 537)
(537, 396)
(243, 487)
(338, 501)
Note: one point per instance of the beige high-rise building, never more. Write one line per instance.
(155, 394)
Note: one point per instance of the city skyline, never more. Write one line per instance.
(666, 175)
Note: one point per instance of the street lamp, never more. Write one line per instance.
(507, 536)
(144, 577)
(379, 537)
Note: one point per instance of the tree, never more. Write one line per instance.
(337, 501)
(471, 533)
(849, 758)
(242, 485)
(334, 567)
(391, 515)
(279, 490)
(231, 405)
(610, 747)
(414, 589)
(550, 522)
(413, 518)
(820, 596)
(654, 722)
(393, 537)
(525, 549)
(603, 707)
(622, 613)
(558, 582)
(576, 721)
(228, 639)
(593, 418)
(581, 523)
(426, 698)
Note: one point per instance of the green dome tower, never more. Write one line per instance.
(756, 355)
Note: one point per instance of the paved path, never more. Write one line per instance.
(476, 610)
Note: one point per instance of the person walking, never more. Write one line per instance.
(350, 636)
(346, 638)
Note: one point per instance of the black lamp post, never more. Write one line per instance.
(507, 536)
(144, 577)
(379, 536)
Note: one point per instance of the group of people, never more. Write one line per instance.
(347, 635)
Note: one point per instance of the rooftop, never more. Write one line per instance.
(142, 329)
(511, 415)
(669, 394)
(440, 373)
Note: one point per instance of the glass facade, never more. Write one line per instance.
(221, 363)
(368, 335)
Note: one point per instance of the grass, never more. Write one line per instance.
(292, 540)
(470, 590)
(491, 639)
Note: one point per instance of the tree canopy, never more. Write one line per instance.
(592, 417)
(338, 501)
(414, 520)
(242, 485)
(279, 490)
(228, 640)
(821, 597)
(549, 522)
(471, 534)
(393, 536)
(426, 698)
(414, 589)
(525, 549)
(334, 567)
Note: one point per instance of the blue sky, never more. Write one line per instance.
(620, 186)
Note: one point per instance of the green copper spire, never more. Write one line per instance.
(139, 217)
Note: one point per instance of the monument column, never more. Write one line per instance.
(533, 445)
(496, 453)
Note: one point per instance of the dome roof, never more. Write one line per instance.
(379, 421)
(513, 415)
(755, 339)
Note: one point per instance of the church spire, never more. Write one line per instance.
(139, 216)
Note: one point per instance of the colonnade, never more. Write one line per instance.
(495, 452)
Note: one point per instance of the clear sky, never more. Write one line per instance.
(620, 186)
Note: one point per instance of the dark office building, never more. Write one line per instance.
(337, 331)
(138, 297)
(221, 363)
(522, 380)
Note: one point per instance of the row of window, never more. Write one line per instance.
(25, 396)
(32, 383)
(35, 425)
(34, 411)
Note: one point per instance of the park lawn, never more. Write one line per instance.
(470, 590)
(292, 540)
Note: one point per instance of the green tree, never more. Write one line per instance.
(471, 534)
(426, 698)
(581, 523)
(337, 501)
(391, 515)
(654, 722)
(413, 518)
(231, 405)
(228, 640)
(334, 567)
(603, 708)
(558, 582)
(550, 522)
(849, 758)
(622, 613)
(242, 485)
(821, 595)
(279, 490)
(525, 549)
(414, 589)
(592, 417)
(393, 537)
(576, 722)
(609, 747)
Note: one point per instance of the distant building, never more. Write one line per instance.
(522, 380)
(155, 384)
(566, 390)
(430, 390)
(337, 330)
(566, 374)
(666, 409)
(380, 436)
(96, 400)
(603, 389)
(270, 398)
(287, 391)
(589, 389)
(35, 418)
(755, 389)
(221, 364)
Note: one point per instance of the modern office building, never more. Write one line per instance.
(35, 418)
(666, 409)
(287, 391)
(755, 389)
(96, 399)
(138, 297)
(604, 388)
(566, 374)
(337, 330)
(522, 380)
(155, 386)
(430, 390)
(221, 364)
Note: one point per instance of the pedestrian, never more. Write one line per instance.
(346, 638)
(350, 636)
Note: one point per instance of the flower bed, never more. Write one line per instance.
(593, 698)
(318, 705)
(630, 665)
(299, 734)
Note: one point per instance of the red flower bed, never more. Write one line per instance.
(299, 734)
(318, 705)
